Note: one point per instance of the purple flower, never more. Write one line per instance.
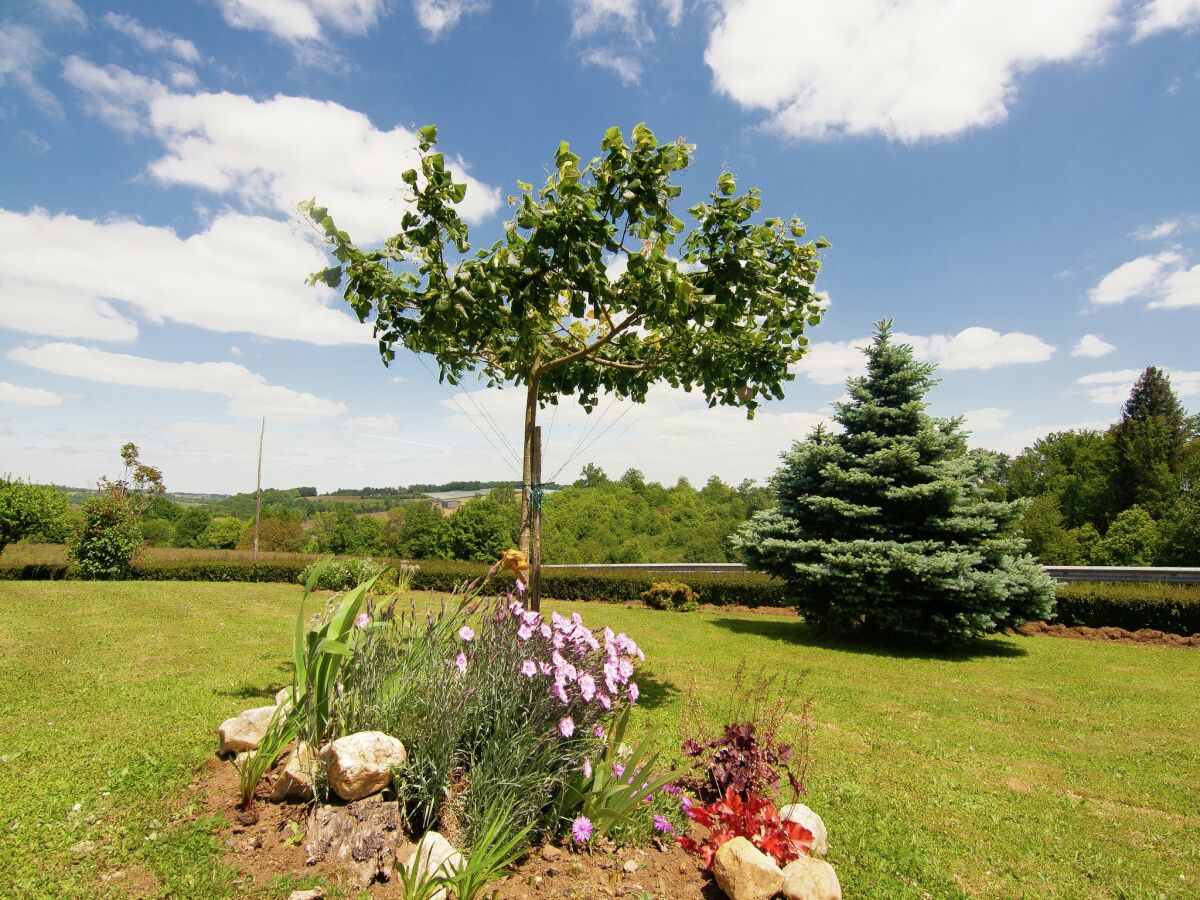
(634, 693)
(598, 730)
(587, 768)
(466, 633)
(672, 789)
(581, 830)
(587, 688)
(604, 701)
(528, 668)
(618, 770)
(686, 802)
(362, 620)
(661, 824)
(460, 663)
(566, 726)
(520, 585)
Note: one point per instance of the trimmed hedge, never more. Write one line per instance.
(1163, 607)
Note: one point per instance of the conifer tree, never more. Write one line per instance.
(1150, 439)
(887, 528)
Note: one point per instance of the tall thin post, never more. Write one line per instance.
(258, 487)
(535, 515)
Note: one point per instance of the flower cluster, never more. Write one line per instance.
(577, 666)
(753, 818)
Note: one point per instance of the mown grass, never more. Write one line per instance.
(1028, 766)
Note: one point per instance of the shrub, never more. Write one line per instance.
(1163, 607)
(157, 532)
(341, 574)
(1131, 540)
(221, 533)
(108, 536)
(751, 817)
(275, 535)
(674, 595)
(30, 509)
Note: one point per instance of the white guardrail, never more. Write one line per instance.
(1176, 575)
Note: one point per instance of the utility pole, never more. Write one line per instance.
(258, 487)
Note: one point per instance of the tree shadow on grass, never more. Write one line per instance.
(798, 632)
(654, 691)
(246, 691)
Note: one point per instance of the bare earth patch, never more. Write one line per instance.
(1111, 635)
(276, 845)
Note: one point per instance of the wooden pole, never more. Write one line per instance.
(535, 515)
(258, 488)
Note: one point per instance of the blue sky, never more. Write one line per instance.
(1016, 185)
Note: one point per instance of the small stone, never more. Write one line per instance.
(295, 781)
(361, 764)
(630, 866)
(802, 815)
(312, 894)
(808, 878)
(435, 856)
(744, 872)
(244, 731)
(550, 852)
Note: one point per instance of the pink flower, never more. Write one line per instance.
(528, 668)
(460, 663)
(544, 668)
(566, 726)
(557, 659)
(686, 802)
(634, 693)
(466, 633)
(587, 768)
(604, 700)
(576, 619)
(362, 620)
(560, 692)
(625, 668)
(520, 585)
(525, 632)
(558, 641)
(581, 830)
(587, 688)
(532, 618)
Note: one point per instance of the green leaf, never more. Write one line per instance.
(726, 184)
(429, 134)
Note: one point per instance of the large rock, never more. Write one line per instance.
(810, 879)
(295, 782)
(360, 839)
(361, 764)
(283, 698)
(802, 815)
(245, 731)
(434, 857)
(744, 872)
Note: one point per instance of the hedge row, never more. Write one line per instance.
(1163, 607)
(719, 589)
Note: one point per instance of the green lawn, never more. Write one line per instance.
(1035, 766)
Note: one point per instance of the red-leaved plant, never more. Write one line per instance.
(752, 817)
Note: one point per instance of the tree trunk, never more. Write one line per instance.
(531, 481)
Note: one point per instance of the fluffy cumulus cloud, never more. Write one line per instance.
(65, 276)
(1114, 386)
(153, 40)
(1163, 280)
(832, 362)
(27, 396)
(1164, 15)
(271, 154)
(1092, 346)
(249, 394)
(438, 16)
(302, 20)
(906, 69)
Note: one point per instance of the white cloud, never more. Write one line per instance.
(1163, 229)
(978, 348)
(64, 12)
(1114, 386)
(21, 54)
(674, 433)
(905, 69)
(988, 418)
(302, 20)
(673, 9)
(1163, 15)
(113, 94)
(250, 396)
(437, 16)
(155, 40)
(27, 396)
(1014, 440)
(62, 275)
(1092, 346)
(832, 362)
(1161, 279)
(271, 154)
(627, 68)
(591, 16)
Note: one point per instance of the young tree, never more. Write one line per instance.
(886, 528)
(1131, 540)
(1150, 440)
(722, 308)
(29, 509)
(109, 534)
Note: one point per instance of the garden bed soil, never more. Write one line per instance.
(268, 849)
(1111, 635)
